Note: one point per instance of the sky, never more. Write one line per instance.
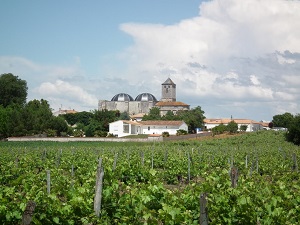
(233, 58)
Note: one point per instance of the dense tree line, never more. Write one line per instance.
(292, 123)
(92, 124)
(18, 118)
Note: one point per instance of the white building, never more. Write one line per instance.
(123, 128)
(251, 124)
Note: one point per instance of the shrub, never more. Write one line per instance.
(243, 127)
(165, 134)
(51, 133)
(100, 133)
(181, 132)
(220, 129)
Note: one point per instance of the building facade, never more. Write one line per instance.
(145, 101)
(251, 124)
(123, 128)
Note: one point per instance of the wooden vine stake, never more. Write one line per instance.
(48, 181)
(152, 158)
(98, 188)
(142, 158)
(295, 164)
(234, 175)
(203, 220)
(28, 213)
(115, 162)
(72, 175)
(189, 168)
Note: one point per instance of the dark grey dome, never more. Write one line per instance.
(122, 97)
(145, 97)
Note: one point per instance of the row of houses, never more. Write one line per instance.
(123, 128)
(252, 125)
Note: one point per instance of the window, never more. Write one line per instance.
(126, 128)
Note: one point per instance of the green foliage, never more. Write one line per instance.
(220, 129)
(4, 117)
(232, 127)
(165, 134)
(59, 125)
(138, 190)
(13, 90)
(170, 116)
(181, 132)
(79, 117)
(101, 119)
(283, 120)
(100, 133)
(293, 134)
(124, 116)
(51, 133)
(154, 114)
(243, 127)
(193, 118)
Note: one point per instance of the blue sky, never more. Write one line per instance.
(231, 57)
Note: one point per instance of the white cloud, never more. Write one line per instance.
(292, 80)
(234, 57)
(64, 91)
(254, 80)
(234, 51)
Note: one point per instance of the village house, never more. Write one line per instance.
(123, 128)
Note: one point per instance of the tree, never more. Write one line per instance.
(12, 90)
(4, 117)
(80, 117)
(283, 120)
(16, 126)
(232, 127)
(170, 116)
(293, 134)
(58, 124)
(102, 118)
(193, 118)
(124, 116)
(154, 114)
(37, 116)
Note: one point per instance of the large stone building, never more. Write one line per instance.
(145, 101)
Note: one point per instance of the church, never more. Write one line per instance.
(145, 101)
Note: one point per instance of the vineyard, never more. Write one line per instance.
(152, 183)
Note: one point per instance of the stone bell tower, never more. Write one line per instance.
(168, 91)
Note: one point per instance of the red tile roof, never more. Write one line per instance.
(171, 104)
(226, 121)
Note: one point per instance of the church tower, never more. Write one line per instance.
(168, 91)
